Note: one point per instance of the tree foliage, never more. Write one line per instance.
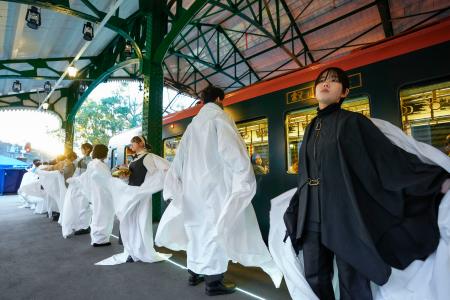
(98, 120)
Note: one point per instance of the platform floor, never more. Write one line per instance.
(36, 262)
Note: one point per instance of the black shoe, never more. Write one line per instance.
(130, 259)
(55, 216)
(82, 231)
(196, 279)
(101, 245)
(219, 288)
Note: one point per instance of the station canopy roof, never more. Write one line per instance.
(228, 43)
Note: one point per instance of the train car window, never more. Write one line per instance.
(170, 147)
(256, 137)
(127, 154)
(426, 113)
(296, 122)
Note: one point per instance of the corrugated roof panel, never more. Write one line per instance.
(401, 9)
(340, 33)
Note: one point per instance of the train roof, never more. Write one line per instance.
(124, 137)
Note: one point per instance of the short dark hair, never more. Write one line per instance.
(88, 147)
(211, 93)
(100, 151)
(341, 75)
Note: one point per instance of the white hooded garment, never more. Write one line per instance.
(421, 280)
(100, 196)
(77, 212)
(211, 184)
(54, 188)
(30, 190)
(133, 207)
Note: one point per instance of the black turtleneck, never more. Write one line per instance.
(328, 110)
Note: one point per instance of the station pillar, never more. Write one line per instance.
(156, 22)
(68, 143)
(72, 97)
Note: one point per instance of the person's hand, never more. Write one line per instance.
(124, 176)
(445, 186)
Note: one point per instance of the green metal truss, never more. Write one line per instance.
(217, 34)
(35, 64)
(20, 100)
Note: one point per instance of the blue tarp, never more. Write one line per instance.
(11, 173)
(8, 163)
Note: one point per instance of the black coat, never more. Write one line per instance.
(378, 202)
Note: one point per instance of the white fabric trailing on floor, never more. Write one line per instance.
(77, 212)
(211, 216)
(99, 195)
(30, 191)
(54, 188)
(133, 208)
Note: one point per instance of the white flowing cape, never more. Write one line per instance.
(31, 192)
(133, 207)
(99, 195)
(77, 212)
(54, 189)
(217, 182)
(421, 280)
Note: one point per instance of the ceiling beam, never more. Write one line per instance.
(385, 15)
(183, 20)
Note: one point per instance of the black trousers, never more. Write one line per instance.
(318, 261)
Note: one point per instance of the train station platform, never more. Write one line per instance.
(38, 263)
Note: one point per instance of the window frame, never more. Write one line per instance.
(268, 137)
(305, 107)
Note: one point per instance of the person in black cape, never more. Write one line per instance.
(361, 199)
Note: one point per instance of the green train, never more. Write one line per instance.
(404, 80)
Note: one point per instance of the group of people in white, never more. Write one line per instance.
(210, 185)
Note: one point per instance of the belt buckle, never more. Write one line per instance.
(313, 182)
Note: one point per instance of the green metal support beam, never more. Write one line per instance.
(297, 29)
(274, 37)
(156, 21)
(72, 95)
(157, 44)
(191, 58)
(385, 15)
(176, 29)
(35, 64)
